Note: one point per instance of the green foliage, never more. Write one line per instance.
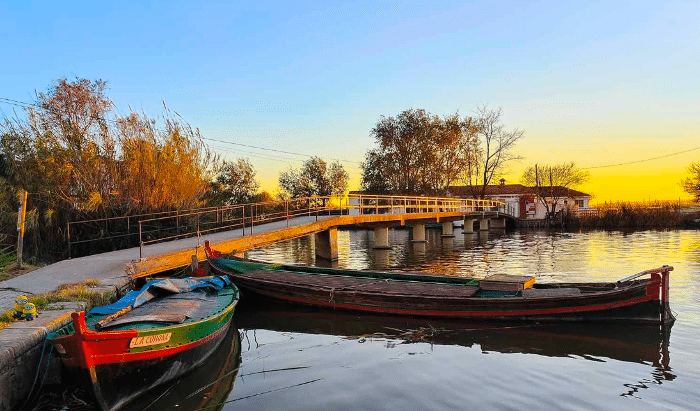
(235, 184)
(315, 178)
(7, 256)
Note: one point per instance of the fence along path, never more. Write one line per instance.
(143, 231)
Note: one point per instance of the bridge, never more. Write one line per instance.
(236, 229)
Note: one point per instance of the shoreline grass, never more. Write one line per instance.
(81, 292)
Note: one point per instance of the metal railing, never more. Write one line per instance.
(159, 227)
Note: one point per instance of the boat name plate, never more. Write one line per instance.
(149, 340)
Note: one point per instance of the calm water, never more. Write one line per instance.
(293, 358)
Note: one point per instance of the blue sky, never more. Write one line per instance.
(593, 82)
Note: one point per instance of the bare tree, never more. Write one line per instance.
(551, 182)
(495, 146)
(691, 185)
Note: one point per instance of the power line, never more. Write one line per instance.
(277, 151)
(256, 155)
(16, 102)
(12, 102)
(644, 160)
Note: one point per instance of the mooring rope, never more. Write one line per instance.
(38, 370)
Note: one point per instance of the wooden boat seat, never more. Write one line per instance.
(506, 282)
(173, 309)
(550, 292)
(362, 284)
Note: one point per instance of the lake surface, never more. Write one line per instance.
(293, 358)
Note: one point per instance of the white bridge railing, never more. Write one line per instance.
(173, 225)
(248, 216)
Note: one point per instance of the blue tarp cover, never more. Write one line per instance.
(160, 288)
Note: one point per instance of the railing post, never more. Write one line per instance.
(376, 205)
(140, 241)
(68, 234)
(243, 211)
(286, 211)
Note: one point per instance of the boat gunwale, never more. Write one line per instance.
(116, 334)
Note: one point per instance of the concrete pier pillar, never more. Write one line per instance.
(418, 233)
(498, 223)
(326, 244)
(468, 226)
(448, 229)
(483, 224)
(381, 238)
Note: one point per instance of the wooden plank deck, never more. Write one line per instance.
(368, 285)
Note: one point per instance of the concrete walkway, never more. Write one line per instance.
(109, 268)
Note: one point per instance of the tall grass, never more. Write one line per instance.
(633, 215)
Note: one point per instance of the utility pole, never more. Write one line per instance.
(20, 225)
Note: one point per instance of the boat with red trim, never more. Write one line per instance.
(640, 298)
(148, 337)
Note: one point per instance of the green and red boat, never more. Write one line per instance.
(638, 298)
(148, 337)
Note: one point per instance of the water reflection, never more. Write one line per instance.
(641, 344)
(381, 258)
(592, 367)
(207, 387)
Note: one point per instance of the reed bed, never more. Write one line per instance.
(658, 215)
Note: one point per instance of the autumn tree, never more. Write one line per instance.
(79, 161)
(495, 146)
(315, 178)
(551, 181)
(64, 149)
(234, 184)
(691, 185)
(161, 169)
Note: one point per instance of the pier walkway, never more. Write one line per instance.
(110, 268)
(262, 224)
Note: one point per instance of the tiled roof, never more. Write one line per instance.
(498, 190)
(513, 189)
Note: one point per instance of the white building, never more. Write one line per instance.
(524, 201)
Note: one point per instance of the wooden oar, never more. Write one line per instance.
(102, 322)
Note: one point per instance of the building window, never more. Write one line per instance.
(579, 203)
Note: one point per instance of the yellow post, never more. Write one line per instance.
(21, 213)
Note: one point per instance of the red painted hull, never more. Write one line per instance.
(120, 365)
